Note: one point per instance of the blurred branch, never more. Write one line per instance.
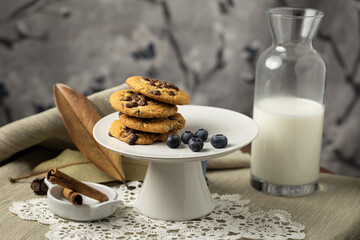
(21, 33)
(225, 5)
(336, 51)
(349, 77)
(172, 40)
(20, 11)
(7, 42)
(218, 65)
(26, 10)
(192, 78)
(6, 110)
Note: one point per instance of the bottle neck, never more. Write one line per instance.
(294, 26)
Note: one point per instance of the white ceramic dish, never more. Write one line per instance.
(91, 209)
(238, 128)
(174, 187)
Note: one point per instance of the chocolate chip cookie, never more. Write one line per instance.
(134, 137)
(154, 125)
(135, 104)
(159, 90)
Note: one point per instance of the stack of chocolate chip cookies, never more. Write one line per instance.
(147, 112)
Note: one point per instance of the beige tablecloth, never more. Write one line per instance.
(333, 212)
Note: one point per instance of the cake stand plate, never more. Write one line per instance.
(174, 187)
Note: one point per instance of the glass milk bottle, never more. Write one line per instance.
(289, 106)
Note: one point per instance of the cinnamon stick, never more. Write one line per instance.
(73, 197)
(57, 177)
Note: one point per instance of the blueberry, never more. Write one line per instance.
(186, 136)
(202, 133)
(218, 141)
(196, 144)
(173, 141)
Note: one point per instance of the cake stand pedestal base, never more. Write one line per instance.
(175, 192)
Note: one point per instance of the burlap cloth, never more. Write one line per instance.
(46, 128)
(333, 212)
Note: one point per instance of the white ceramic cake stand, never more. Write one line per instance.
(174, 187)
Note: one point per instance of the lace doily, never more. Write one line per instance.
(231, 219)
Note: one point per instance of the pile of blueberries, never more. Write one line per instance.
(196, 140)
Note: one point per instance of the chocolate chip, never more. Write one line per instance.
(128, 98)
(152, 84)
(131, 105)
(142, 102)
(154, 80)
(173, 86)
(146, 79)
(156, 92)
(171, 93)
(130, 91)
(133, 96)
(129, 130)
(132, 139)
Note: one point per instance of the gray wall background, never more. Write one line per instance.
(208, 48)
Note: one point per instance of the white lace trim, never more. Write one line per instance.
(230, 219)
